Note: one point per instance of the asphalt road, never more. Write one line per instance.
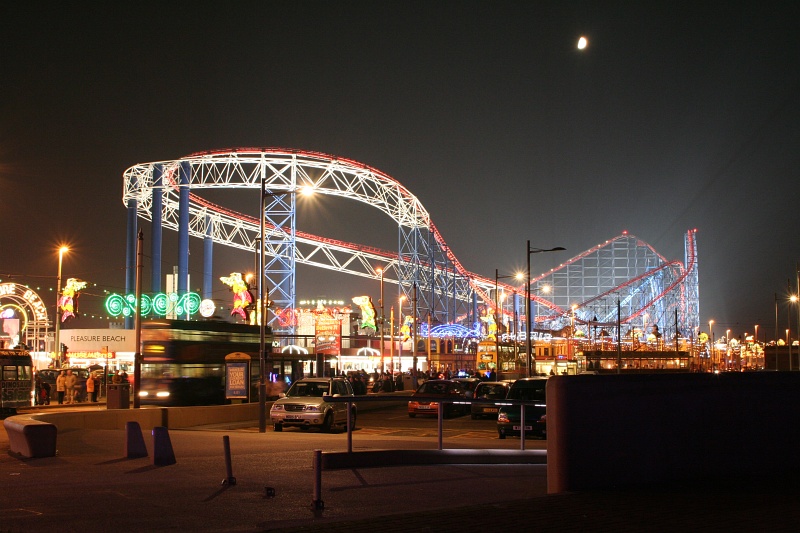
(90, 485)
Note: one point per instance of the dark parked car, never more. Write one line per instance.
(488, 390)
(439, 388)
(469, 384)
(508, 417)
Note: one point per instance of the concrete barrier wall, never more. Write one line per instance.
(150, 417)
(672, 430)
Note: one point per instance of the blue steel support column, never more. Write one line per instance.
(474, 309)
(157, 229)
(208, 259)
(183, 228)
(130, 256)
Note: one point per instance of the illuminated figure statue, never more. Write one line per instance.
(367, 311)
(405, 329)
(68, 301)
(491, 326)
(241, 294)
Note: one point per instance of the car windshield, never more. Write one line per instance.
(527, 393)
(434, 387)
(305, 388)
(491, 391)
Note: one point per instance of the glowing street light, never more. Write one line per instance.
(711, 349)
(381, 320)
(61, 252)
(497, 318)
(530, 251)
(263, 296)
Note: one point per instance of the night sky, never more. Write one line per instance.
(678, 115)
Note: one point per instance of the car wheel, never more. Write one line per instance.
(277, 427)
(327, 425)
(501, 435)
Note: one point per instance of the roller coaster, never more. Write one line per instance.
(621, 280)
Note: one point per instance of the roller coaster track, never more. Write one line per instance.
(423, 265)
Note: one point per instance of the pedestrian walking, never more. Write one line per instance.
(61, 386)
(70, 381)
(91, 387)
(45, 392)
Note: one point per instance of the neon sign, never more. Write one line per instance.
(160, 304)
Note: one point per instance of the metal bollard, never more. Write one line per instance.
(226, 443)
(317, 504)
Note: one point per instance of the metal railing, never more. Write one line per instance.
(349, 400)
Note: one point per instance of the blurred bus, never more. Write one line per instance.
(183, 362)
(16, 381)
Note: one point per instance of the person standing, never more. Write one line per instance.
(61, 386)
(91, 387)
(69, 383)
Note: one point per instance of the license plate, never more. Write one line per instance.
(425, 407)
(527, 428)
(293, 417)
(490, 409)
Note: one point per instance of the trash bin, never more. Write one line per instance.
(119, 396)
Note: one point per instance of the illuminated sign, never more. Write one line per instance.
(328, 334)
(24, 295)
(160, 304)
(96, 340)
(207, 308)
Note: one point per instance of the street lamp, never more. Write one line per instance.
(263, 296)
(530, 251)
(61, 252)
(727, 347)
(793, 299)
(711, 348)
(497, 320)
(381, 319)
(399, 331)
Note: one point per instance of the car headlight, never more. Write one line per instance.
(162, 394)
(276, 407)
(143, 393)
(313, 408)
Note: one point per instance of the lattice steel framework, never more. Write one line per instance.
(651, 290)
(624, 267)
(445, 288)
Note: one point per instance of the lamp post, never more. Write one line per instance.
(263, 295)
(793, 299)
(530, 251)
(497, 321)
(711, 348)
(399, 331)
(57, 339)
(727, 348)
(381, 320)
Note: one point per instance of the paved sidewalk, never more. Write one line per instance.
(91, 486)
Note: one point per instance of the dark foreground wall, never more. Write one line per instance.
(732, 429)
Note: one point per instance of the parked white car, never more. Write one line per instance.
(303, 406)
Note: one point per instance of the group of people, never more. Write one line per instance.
(69, 390)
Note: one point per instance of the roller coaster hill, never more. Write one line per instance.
(621, 290)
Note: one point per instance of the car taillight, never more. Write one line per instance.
(502, 417)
